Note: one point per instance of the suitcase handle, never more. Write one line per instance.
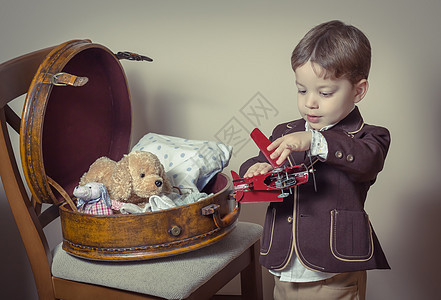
(62, 192)
(227, 220)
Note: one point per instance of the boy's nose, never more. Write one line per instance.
(310, 101)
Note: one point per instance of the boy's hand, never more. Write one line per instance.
(297, 141)
(257, 169)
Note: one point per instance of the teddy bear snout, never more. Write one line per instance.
(148, 185)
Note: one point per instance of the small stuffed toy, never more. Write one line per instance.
(133, 179)
(92, 198)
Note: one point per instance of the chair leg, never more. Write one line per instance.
(251, 277)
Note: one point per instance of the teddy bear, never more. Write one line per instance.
(133, 179)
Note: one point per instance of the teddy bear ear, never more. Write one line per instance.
(167, 187)
(121, 182)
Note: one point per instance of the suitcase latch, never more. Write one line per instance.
(210, 209)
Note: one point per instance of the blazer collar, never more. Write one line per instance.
(352, 123)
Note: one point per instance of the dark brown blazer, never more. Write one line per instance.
(328, 229)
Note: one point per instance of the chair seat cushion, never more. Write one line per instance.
(174, 277)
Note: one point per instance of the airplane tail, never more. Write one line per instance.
(235, 175)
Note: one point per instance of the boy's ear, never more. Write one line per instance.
(360, 89)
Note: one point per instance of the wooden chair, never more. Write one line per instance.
(236, 253)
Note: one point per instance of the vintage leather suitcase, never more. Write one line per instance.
(78, 109)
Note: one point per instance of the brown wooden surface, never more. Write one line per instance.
(16, 74)
(15, 77)
(251, 276)
(25, 217)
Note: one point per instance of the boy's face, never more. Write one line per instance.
(322, 102)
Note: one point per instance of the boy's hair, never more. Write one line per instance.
(343, 51)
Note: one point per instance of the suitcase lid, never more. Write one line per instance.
(65, 128)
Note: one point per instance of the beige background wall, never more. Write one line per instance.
(215, 60)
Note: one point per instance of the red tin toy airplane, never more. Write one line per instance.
(272, 186)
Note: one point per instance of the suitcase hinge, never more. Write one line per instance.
(132, 56)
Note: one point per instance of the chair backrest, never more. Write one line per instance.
(15, 78)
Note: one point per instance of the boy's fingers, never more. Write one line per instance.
(282, 148)
(283, 156)
(266, 170)
(274, 144)
(257, 169)
(275, 154)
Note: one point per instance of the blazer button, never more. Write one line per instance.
(338, 154)
(289, 219)
(350, 158)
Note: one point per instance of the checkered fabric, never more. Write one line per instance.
(97, 208)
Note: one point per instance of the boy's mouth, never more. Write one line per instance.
(313, 119)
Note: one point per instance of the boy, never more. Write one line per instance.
(318, 242)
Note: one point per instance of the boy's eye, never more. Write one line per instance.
(326, 94)
(302, 92)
